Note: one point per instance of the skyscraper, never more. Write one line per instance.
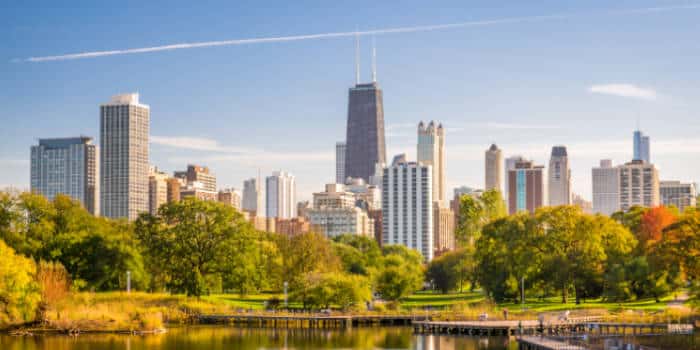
(431, 151)
(407, 206)
(493, 176)
(639, 185)
(281, 195)
(254, 197)
(124, 129)
(527, 187)
(340, 162)
(198, 173)
(231, 197)
(606, 188)
(510, 165)
(67, 166)
(641, 147)
(364, 140)
(559, 179)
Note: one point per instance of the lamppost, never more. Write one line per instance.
(285, 293)
(128, 282)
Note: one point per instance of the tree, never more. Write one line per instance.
(358, 254)
(453, 270)
(334, 288)
(681, 247)
(188, 242)
(475, 212)
(19, 292)
(652, 223)
(401, 273)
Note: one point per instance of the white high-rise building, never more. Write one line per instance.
(493, 165)
(340, 162)
(639, 185)
(254, 197)
(678, 194)
(407, 206)
(124, 130)
(606, 188)
(281, 195)
(431, 151)
(559, 178)
(67, 166)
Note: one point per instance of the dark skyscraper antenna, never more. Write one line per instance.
(374, 60)
(357, 57)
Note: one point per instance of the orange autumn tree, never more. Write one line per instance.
(652, 224)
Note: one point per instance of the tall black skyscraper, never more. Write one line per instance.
(365, 144)
(364, 140)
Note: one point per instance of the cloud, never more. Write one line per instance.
(278, 39)
(195, 144)
(516, 126)
(229, 153)
(624, 90)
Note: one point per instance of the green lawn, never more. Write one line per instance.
(437, 300)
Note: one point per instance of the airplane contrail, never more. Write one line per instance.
(426, 28)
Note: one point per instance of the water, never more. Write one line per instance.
(231, 338)
(222, 337)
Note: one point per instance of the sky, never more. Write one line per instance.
(523, 75)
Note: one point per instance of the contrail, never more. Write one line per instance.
(427, 28)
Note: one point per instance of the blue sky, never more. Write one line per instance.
(525, 85)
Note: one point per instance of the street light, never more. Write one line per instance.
(285, 293)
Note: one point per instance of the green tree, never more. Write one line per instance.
(333, 288)
(188, 241)
(475, 212)
(358, 254)
(401, 273)
(19, 293)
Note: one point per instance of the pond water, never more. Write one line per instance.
(222, 337)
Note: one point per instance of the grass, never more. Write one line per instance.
(119, 311)
(138, 311)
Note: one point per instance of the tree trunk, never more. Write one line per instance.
(563, 293)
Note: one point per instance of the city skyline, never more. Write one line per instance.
(591, 115)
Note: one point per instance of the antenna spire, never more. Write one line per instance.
(374, 60)
(357, 57)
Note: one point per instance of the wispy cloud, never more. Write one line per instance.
(219, 152)
(624, 90)
(279, 39)
(517, 126)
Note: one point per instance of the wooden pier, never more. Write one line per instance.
(507, 328)
(311, 320)
(539, 343)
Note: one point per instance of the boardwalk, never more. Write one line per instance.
(513, 327)
(539, 343)
(311, 320)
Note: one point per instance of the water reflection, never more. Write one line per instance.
(215, 338)
(220, 338)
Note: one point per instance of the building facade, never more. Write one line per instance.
(333, 222)
(641, 147)
(606, 188)
(493, 165)
(431, 151)
(335, 196)
(254, 197)
(639, 185)
(66, 166)
(340, 162)
(230, 197)
(157, 189)
(510, 165)
(559, 177)
(364, 141)
(678, 194)
(201, 174)
(407, 206)
(527, 187)
(174, 186)
(280, 189)
(444, 229)
(124, 130)
(291, 227)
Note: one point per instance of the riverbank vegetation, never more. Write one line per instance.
(60, 265)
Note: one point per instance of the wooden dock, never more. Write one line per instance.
(311, 320)
(539, 343)
(507, 328)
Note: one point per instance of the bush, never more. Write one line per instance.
(19, 292)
